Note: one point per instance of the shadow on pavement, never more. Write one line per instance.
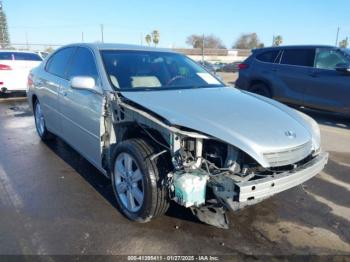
(102, 184)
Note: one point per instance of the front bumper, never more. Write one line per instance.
(263, 188)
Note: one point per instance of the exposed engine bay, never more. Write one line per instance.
(208, 175)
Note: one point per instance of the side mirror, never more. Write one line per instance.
(83, 83)
(343, 68)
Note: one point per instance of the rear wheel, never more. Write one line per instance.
(43, 133)
(138, 181)
(261, 89)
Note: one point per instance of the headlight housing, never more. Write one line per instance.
(315, 131)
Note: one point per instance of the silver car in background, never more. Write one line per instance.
(164, 129)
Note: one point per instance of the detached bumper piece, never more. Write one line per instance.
(257, 190)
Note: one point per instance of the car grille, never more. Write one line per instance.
(288, 156)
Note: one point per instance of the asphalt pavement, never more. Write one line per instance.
(52, 201)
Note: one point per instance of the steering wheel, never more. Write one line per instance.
(175, 78)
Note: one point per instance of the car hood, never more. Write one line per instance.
(241, 119)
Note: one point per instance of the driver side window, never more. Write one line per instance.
(328, 59)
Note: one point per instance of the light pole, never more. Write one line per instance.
(203, 48)
(336, 39)
(27, 43)
(102, 33)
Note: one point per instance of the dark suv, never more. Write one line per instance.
(311, 76)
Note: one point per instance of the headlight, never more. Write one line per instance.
(315, 130)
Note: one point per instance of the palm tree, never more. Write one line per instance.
(155, 37)
(277, 40)
(148, 39)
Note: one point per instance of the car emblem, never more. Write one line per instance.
(290, 134)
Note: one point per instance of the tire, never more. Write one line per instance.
(140, 192)
(41, 129)
(261, 89)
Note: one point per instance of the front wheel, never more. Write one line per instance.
(138, 181)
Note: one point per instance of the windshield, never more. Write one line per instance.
(144, 70)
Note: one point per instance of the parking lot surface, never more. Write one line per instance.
(52, 201)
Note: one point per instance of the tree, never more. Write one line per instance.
(344, 43)
(277, 40)
(148, 39)
(4, 34)
(248, 41)
(210, 41)
(155, 37)
(49, 49)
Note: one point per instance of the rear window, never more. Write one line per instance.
(27, 57)
(268, 57)
(6, 56)
(298, 57)
(19, 56)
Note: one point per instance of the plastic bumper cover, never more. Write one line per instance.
(266, 187)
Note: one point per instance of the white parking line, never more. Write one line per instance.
(337, 210)
(16, 201)
(334, 181)
(344, 164)
(12, 195)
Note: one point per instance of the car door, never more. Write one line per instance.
(81, 109)
(292, 74)
(48, 86)
(328, 89)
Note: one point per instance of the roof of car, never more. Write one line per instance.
(296, 47)
(110, 46)
(16, 51)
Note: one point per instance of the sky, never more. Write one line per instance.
(128, 21)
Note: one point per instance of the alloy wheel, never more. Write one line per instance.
(129, 182)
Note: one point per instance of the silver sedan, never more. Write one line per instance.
(163, 129)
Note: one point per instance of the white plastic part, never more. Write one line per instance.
(190, 188)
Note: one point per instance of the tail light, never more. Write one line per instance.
(30, 80)
(5, 67)
(243, 66)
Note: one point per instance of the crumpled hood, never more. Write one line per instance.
(241, 119)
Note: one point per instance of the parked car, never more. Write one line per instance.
(208, 66)
(231, 67)
(163, 129)
(311, 76)
(218, 66)
(14, 69)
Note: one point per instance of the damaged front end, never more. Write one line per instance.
(208, 175)
(233, 179)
